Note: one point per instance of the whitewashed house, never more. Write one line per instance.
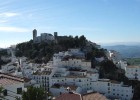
(113, 89)
(133, 72)
(58, 89)
(12, 86)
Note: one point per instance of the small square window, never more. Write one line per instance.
(19, 90)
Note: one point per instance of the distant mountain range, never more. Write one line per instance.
(121, 43)
(128, 50)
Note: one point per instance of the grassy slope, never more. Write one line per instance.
(133, 61)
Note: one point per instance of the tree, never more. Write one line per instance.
(33, 93)
(82, 40)
(1, 92)
(136, 85)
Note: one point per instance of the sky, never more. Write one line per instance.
(101, 21)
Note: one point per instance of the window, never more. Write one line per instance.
(19, 90)
(5, 92)
(108, 88)
(113, 89)
(108, 84)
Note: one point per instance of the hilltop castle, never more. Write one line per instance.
(44, 37)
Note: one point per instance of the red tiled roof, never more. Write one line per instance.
(5, 81)
(94, 96)
(8, 76)
(69, 96)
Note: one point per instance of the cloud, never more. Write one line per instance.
(8, 14)
(14, 29)
(3, 21)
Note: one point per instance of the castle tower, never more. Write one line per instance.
(55, 37)
(34, 34)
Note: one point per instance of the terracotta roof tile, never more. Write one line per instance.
(69, 96)
(94, 96)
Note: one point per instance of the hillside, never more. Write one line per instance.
(127, 51)
(42, 52)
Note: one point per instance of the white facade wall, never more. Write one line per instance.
(85, 65)
(8, 68)
(74, 50)
(18, 74)
(122, 92)
(43, 80)
(122, 64)
(28, 73)
(12, 90)
(102, 87)
(57, 58)
(114, 56)
(133, 72)
(46, 36)
(93, 76)
(58, 91)
(78, 73)
(116, 90)
(74, 62)
(84, 83)
(43, 37)
(61, 90)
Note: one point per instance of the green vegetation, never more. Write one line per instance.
(33, 93)
(133, 61)
(42, 52)
(109, 70)
(136, 85)
(3, 62)
(3, 52)
(1, 92)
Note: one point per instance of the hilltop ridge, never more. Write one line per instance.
(43, 51)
